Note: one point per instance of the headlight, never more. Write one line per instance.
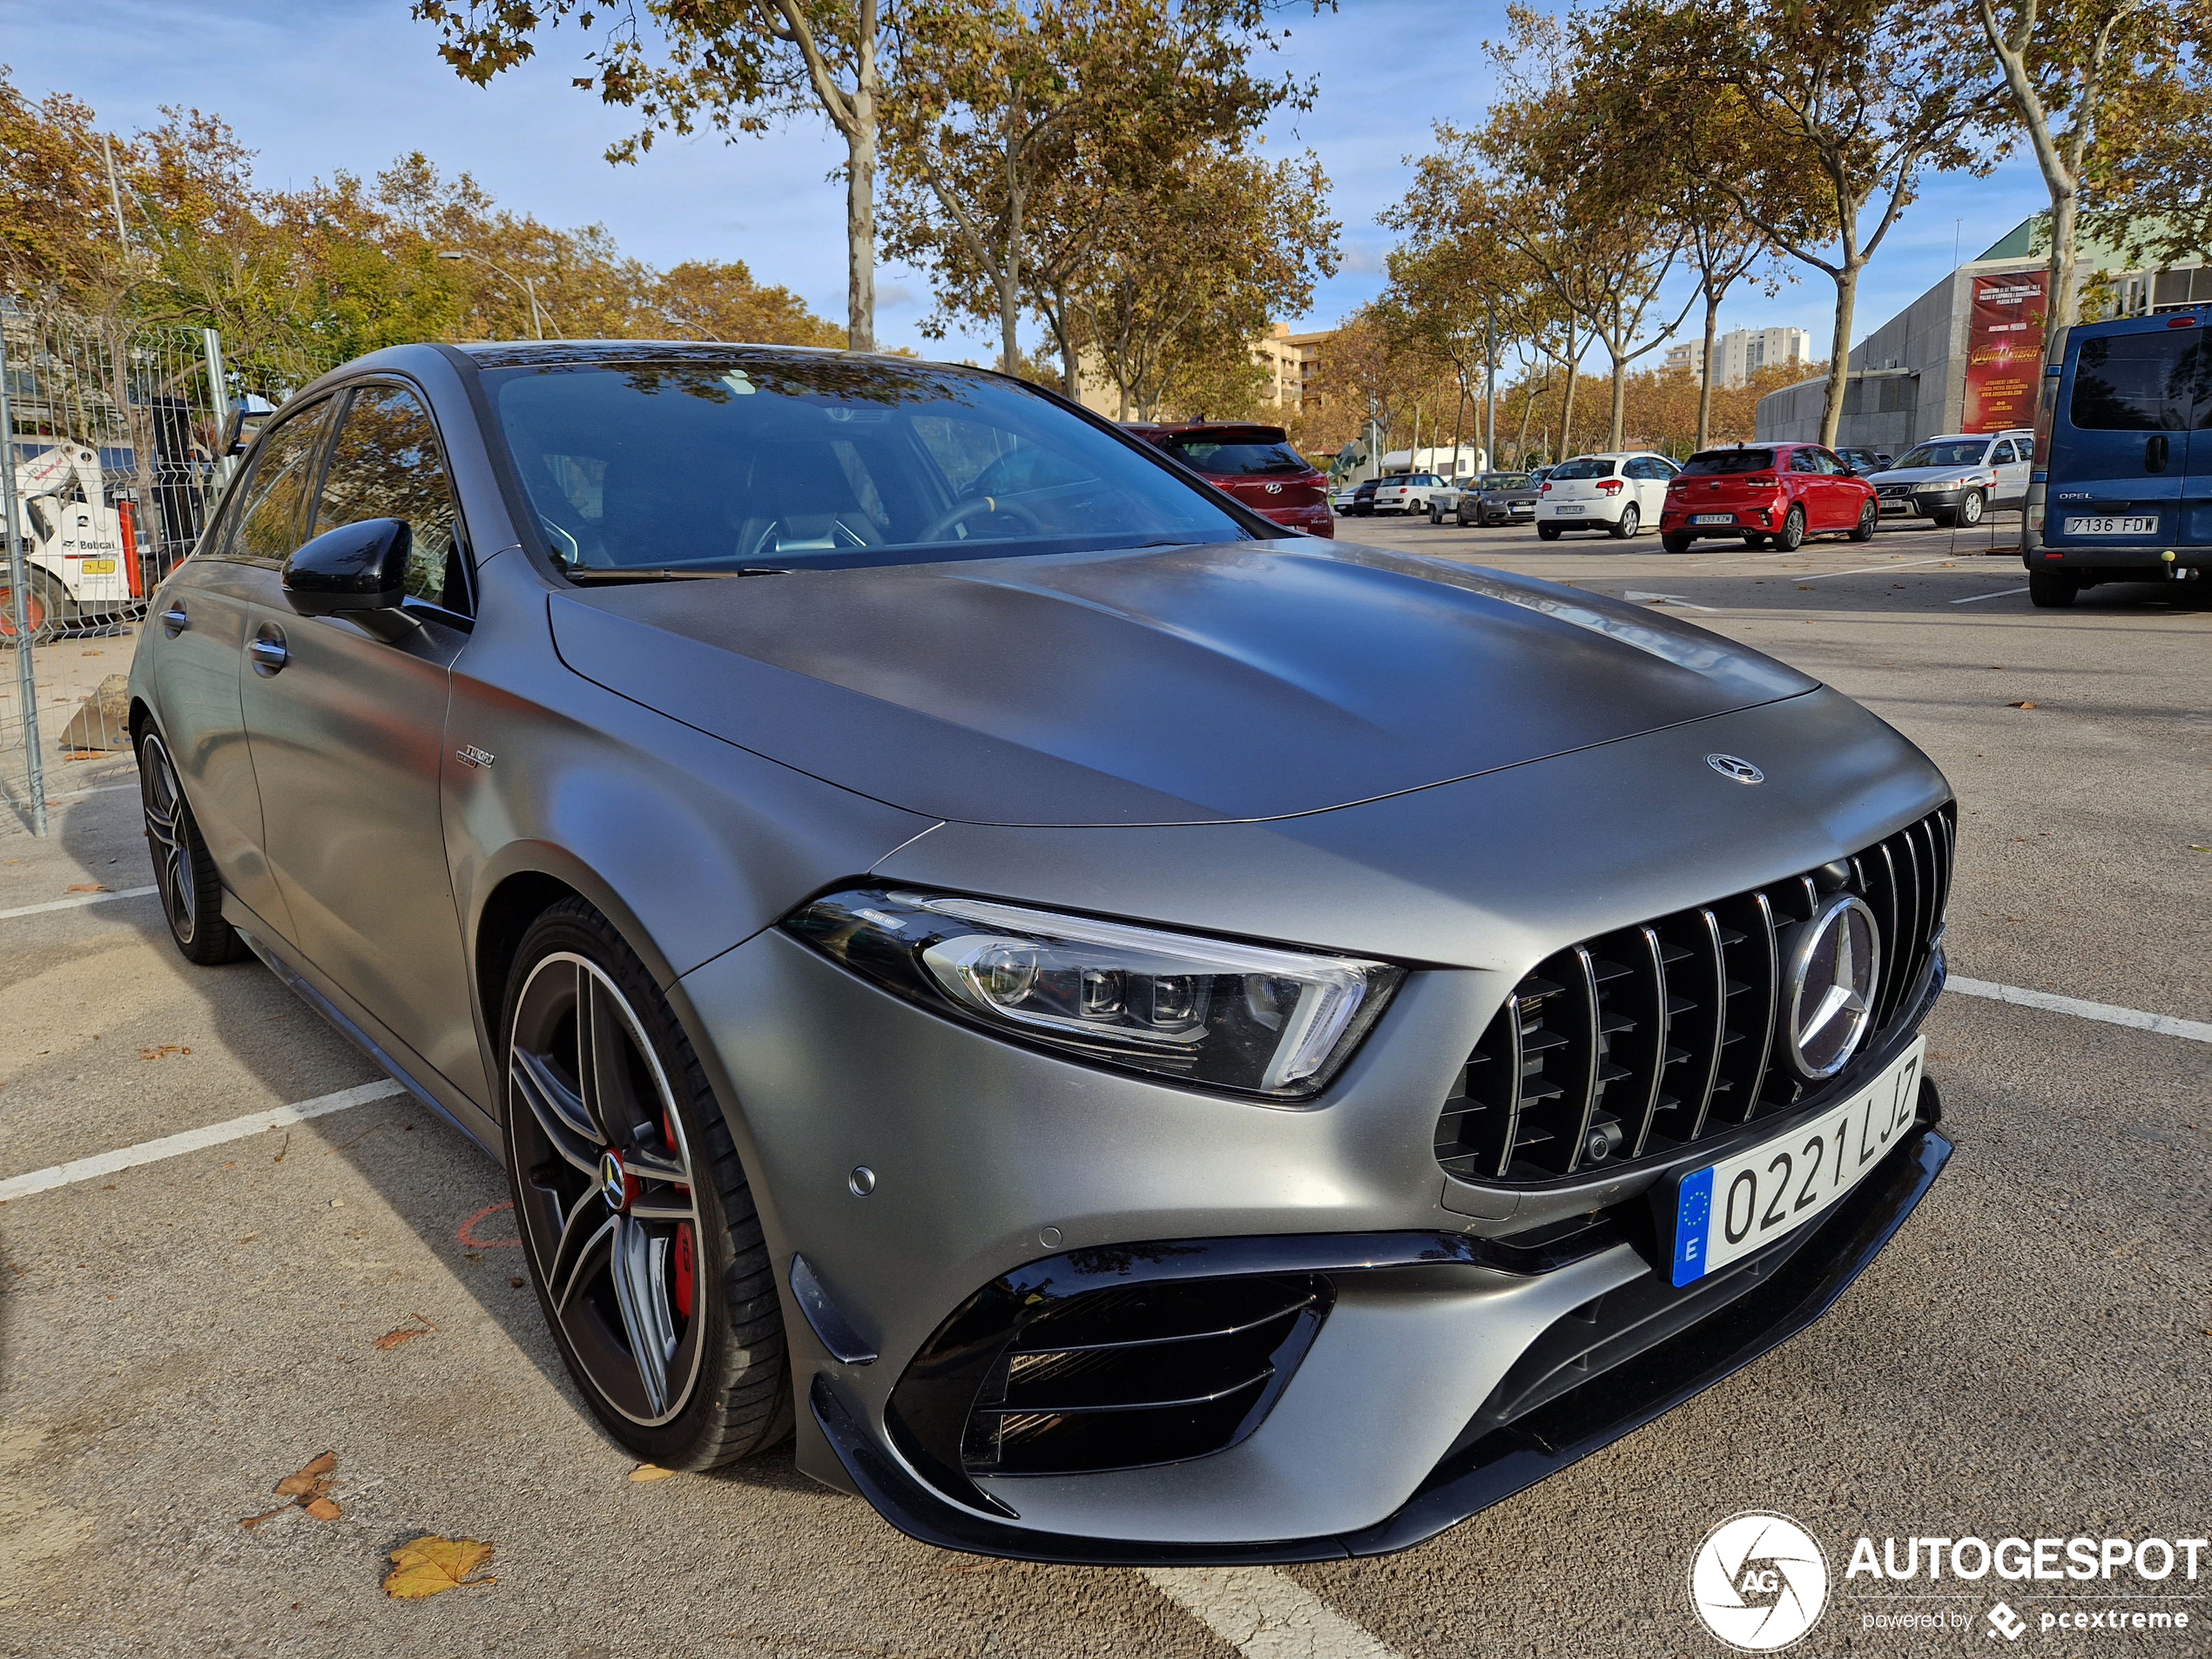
(1258, 1019)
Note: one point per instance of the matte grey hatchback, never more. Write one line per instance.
(1137, 1034)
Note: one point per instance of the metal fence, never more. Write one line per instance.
(111, 460)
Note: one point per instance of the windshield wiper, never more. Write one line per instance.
(642, 573)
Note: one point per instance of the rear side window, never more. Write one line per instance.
(2160, 382)
(1595, 466)
(1236, 460)
(1723, 461)
(267, 530)
(386, 464)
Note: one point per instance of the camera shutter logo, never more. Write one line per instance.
(1758, 1581)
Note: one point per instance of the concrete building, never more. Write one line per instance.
(1964, 356)
(1741, 352)
(1289, 361)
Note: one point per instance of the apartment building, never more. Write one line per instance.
(1741, 352)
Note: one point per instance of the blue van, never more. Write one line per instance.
(2123, 487)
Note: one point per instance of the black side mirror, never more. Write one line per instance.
(247, 416)
(354, 568)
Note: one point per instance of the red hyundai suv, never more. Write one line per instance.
(1254, 463)
(1769, 495)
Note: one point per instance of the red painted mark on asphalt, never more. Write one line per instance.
(468, 1233)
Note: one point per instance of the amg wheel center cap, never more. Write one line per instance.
(1828, 985)
(617, 1185)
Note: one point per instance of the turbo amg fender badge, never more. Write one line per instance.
(1737, 767)
(472, 756)
(1828, 985)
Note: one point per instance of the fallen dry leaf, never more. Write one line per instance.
(645, 1472)
(89, 887)
(432, 1565)
(165, 1049)
(422, 1328)
(308, 1487)
(2020, 705)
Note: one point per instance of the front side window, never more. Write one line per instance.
(268, 525)
(386, 464)
(2160, 382)
(723, 459)
(2004, 455)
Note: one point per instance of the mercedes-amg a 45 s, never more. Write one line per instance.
(1135, 1034)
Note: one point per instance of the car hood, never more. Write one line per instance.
(1923, 474)
(1186, 684)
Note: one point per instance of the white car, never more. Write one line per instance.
(1955, 478)
(1619, 493)
(1407, 492)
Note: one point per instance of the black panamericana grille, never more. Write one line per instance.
(1638, 1041)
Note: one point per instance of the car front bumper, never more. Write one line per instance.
(1921, 503)
(989, 1159)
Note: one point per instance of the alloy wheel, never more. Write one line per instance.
(604, 1183)
(167, 838)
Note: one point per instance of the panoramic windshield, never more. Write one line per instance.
(1947, 455)
(1237, 458)
(728, 460)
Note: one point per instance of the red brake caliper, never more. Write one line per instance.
(686, 1246)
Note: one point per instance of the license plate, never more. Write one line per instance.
(1725, 1211)
(2144, 526)
(1712, 518)
(1565, 509)
(98, 567)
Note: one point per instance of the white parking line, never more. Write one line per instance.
(71, 903)
(170, 1146)
(2165, 1024)
(1265, 1616)
(1975, 598)
(1876, 569)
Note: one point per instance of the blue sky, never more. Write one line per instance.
(349, 84)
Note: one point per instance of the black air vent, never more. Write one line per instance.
(1636, 1042)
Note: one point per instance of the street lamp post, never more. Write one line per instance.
(529, 290)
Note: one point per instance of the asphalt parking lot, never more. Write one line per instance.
(2032, 1356)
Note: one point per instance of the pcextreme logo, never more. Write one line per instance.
(1758, 1581)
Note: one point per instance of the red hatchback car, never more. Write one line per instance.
(1769, 495)
(1254, 463)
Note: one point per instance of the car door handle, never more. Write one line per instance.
(2155, 453)
(267, 652)
(174, 621)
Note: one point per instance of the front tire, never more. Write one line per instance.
(1792, 536)
(1628, 524)
(2051, 589)
(184, 870)
(1972, 505)
(637, 1222)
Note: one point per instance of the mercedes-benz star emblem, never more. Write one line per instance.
(614, 1180)
(1828, 985)
(1736, 766)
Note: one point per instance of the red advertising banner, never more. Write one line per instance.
(2003, 351)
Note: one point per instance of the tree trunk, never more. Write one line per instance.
(1071, 377)
(1567, 411)
(1619, 431)
(859, 198)
(1520, 444)
(1832, 416)
(1706, 379)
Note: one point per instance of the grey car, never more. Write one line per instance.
(1134, 1036)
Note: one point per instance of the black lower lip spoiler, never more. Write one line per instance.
(1509, 1460)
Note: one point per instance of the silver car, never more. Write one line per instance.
(1955, 479)
(1134, 1036)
